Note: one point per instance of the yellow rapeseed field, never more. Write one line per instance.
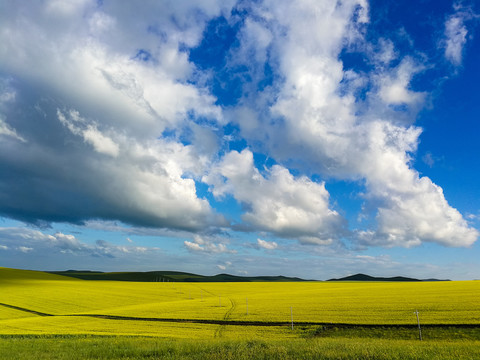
(454, 302)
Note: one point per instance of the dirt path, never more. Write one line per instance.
(226, 317)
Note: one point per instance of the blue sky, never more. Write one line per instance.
(303, 138)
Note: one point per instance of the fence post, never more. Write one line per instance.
(419, 328)
(291, 315)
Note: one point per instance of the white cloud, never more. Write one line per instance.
(279, 203)
(456, 34)
(224, 266)
(66, 7)
(25, 249)
(26, 240)
(101, 143)
(111, 249)
(411, 209)
(207, 245)
(421, 214)
(316, 123)
(473, 216)
(387, 51)
(394, 87)
(269, 245)
(6, 130)
(116, 97)
(121, 124)
(67, 243)
(193, 246)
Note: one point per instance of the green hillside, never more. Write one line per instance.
(16, 275)
(161, 276)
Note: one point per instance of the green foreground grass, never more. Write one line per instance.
(122, 347)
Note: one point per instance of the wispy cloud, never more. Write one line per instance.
(6, 130)
(455, 38)
(456, 33)
(28, 240)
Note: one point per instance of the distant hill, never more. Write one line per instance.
(363, 277)
(159, 276)
(17, 275)
(178, 276)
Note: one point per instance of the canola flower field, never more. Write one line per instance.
(40, 307)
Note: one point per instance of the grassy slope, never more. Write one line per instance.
(8, 275)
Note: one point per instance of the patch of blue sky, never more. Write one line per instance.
(267, 78)
(143, 55)
(218, 38)
(346, 198)
(264, 163)
(409, 24)
(213, 53)
(233, 139)
(6, 222)
(226, 204)
(445, 143)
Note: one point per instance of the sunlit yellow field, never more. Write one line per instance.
(455, 302)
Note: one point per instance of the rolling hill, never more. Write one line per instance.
(363, 277)
(160, 276)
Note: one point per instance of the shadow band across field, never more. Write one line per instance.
(26, 310)
(246, 323)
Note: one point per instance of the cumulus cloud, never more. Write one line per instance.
(268, 245)
(202, 244)
(411, 209)
(279, 203)
(315, 122)
(89, 112)
(107, 118)
(418, 214)
(394, 88)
